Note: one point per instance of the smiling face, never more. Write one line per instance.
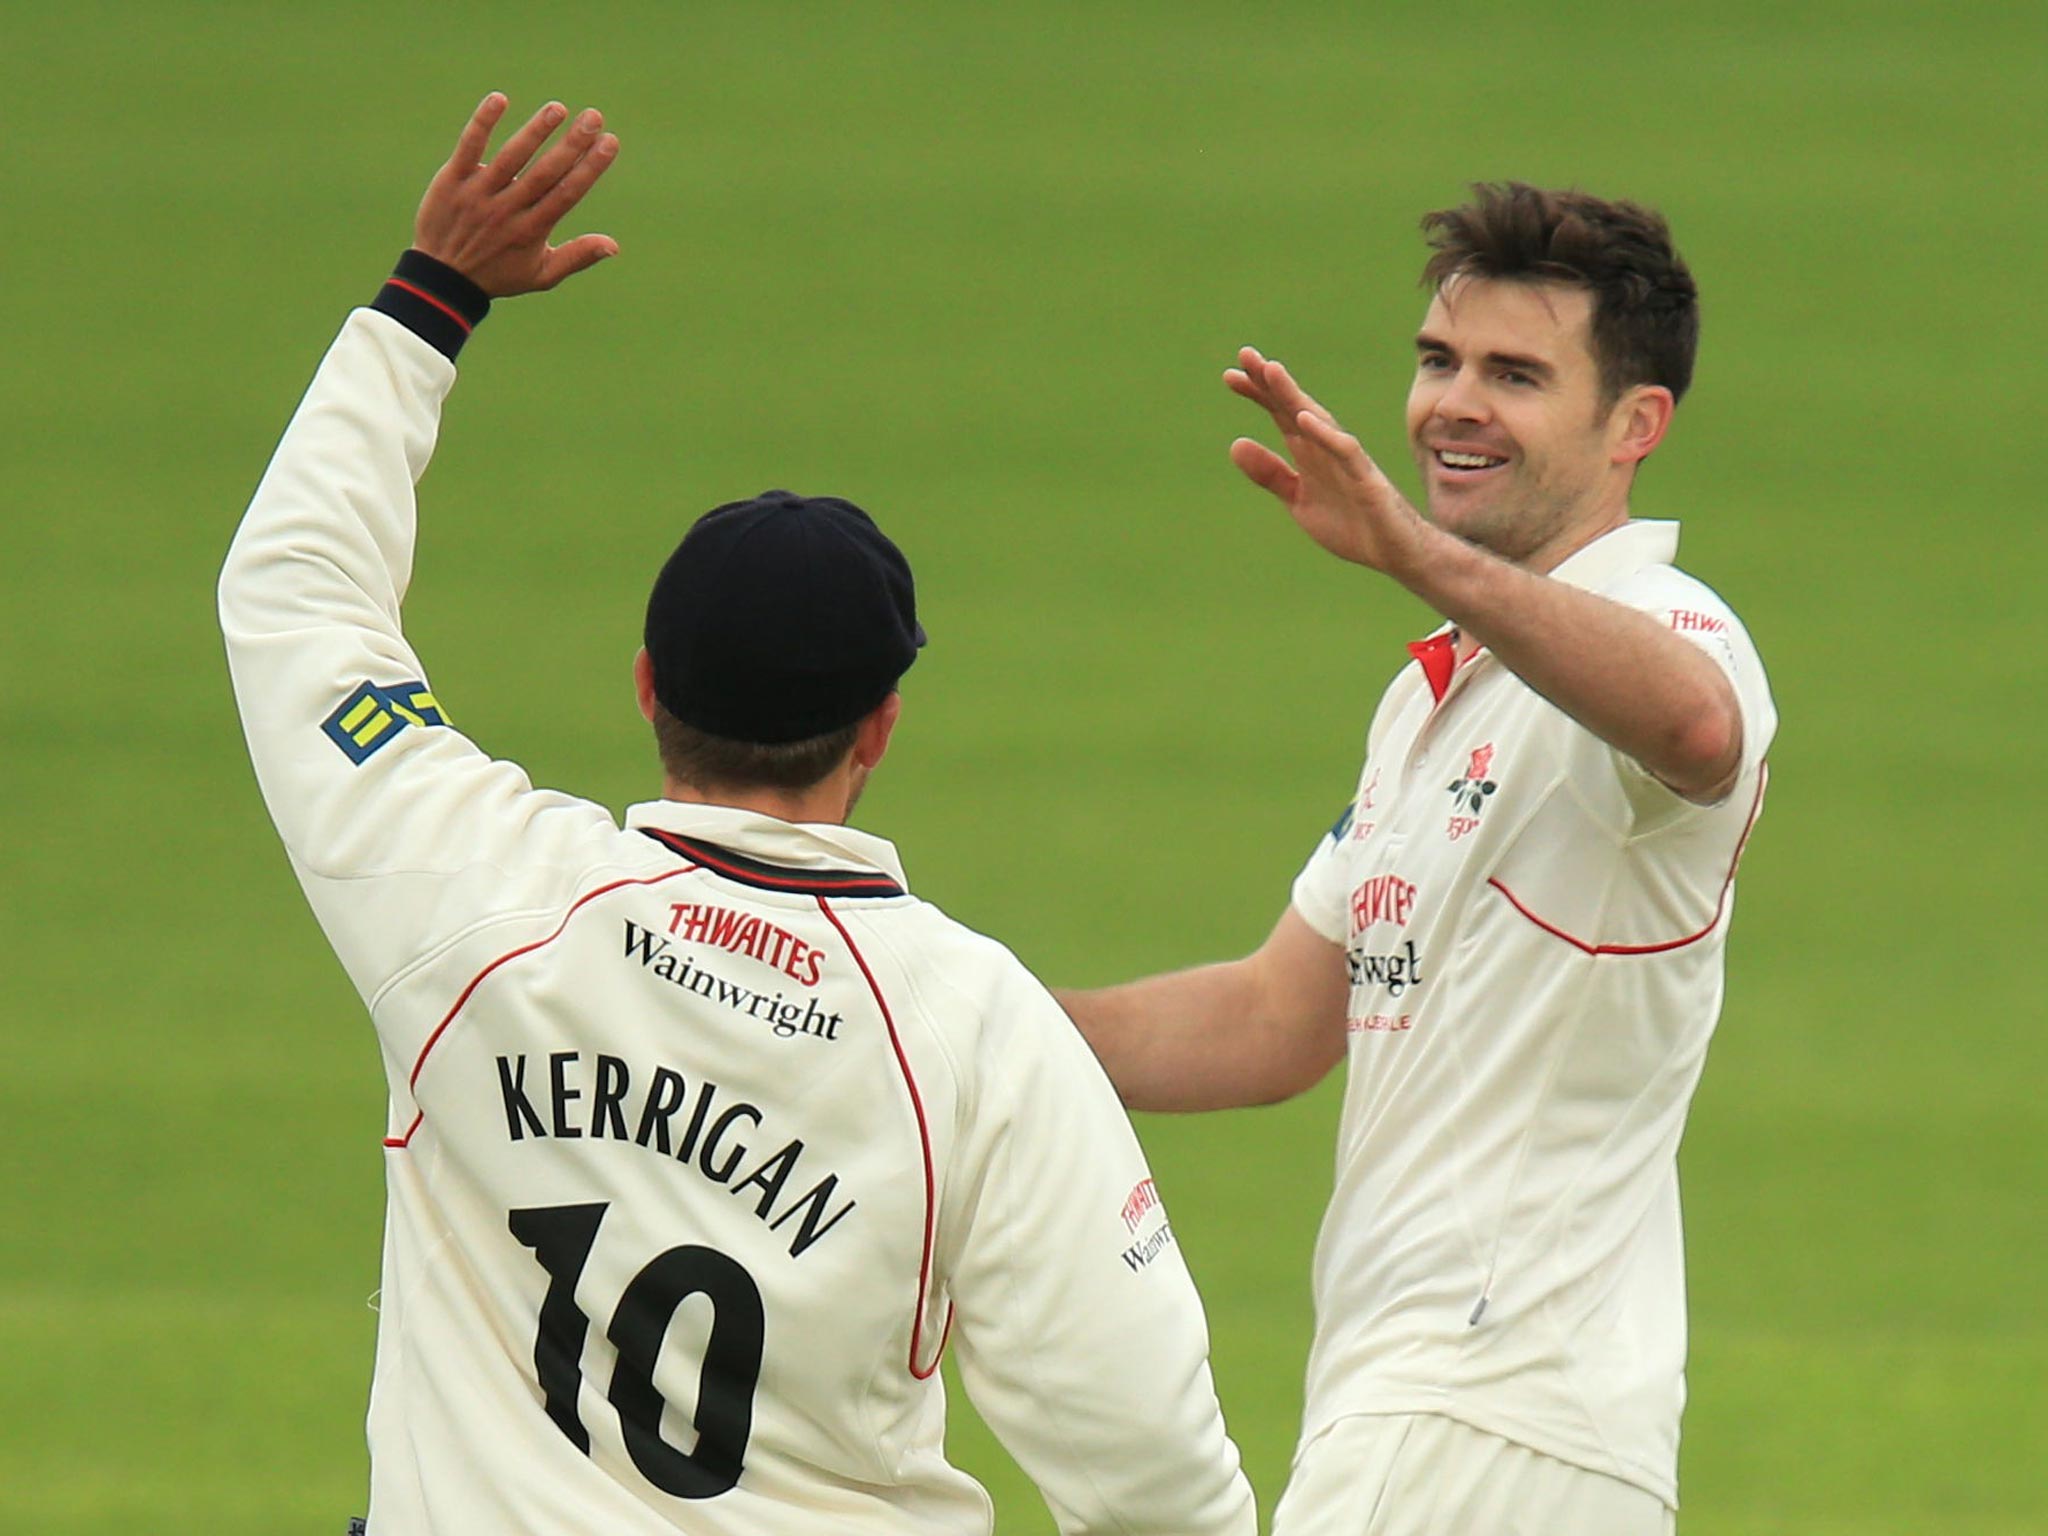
(1519, 452)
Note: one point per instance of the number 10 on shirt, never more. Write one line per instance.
(561, 1237)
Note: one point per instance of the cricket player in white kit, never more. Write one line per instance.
(706, 1136)
(1513, 935)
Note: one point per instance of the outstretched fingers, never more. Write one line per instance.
(1289, 397)
(1248, 380)
(1267, 384)
(1332, 487)
(1325, 434)
(561, 158)
(1333, 455)
(1265, 468)
(468, 155)
(1304, 422)
(580, 177)
(516, 151)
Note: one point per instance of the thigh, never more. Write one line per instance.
(1339, 1480)
(1424, 1475)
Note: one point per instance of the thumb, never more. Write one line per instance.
(585, 251)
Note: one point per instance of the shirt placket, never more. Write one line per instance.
(1456, 680)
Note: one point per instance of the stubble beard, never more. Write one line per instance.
(1516, 523)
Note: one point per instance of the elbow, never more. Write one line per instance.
(224, 590)
(1290, 1077)
(233, 587)
(1296, 1055)
(1706, 751)
(1263, 1092)
(1296, 998)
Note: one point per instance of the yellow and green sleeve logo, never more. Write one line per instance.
(373, 714)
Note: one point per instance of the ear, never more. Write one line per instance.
(1638, 423)
(643, 683)
(872, 739)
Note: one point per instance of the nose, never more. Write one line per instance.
(1462, 398)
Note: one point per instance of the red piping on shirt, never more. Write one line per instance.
(477, 980)
(421, 293)
(1756, 809)
(924, 1266)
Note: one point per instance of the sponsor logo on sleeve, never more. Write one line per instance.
(374, 714)
(1144, 1197)
(1687, 622)
(1707, 630)
(1140, 1206)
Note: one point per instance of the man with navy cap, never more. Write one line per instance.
(705, 1134)
(775, 636)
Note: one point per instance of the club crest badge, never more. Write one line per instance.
(1470, 792)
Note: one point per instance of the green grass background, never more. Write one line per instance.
(978, 269)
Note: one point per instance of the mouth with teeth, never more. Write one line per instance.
(1460, 461)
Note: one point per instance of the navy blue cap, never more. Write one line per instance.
(780, 618)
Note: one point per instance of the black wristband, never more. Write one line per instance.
(433, 301)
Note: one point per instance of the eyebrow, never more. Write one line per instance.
(1535, 366)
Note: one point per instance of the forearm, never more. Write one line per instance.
(1629, 680)
(327, 541)
(1172, 1042)
(1244, 1032)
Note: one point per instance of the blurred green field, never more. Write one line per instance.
(978, 270)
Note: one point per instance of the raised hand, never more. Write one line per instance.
(1332, 488)
(491, 220)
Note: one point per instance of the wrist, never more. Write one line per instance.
(1425, 558)
(434, 301)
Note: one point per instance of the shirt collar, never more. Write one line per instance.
(1620, 552)
(797, 845)
(1616, 553)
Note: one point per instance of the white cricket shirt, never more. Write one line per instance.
(705, 1134)
(1534, 928)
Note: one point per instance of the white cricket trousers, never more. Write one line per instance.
(1425, 1475)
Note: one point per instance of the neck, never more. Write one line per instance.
(1544, 560)
(824, 803)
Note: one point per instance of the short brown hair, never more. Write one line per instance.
(704, 761)
(1646, 312)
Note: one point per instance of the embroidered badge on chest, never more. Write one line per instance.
(1368, 796)
(1470, 793)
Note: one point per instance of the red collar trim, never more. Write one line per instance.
(1439, 657)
